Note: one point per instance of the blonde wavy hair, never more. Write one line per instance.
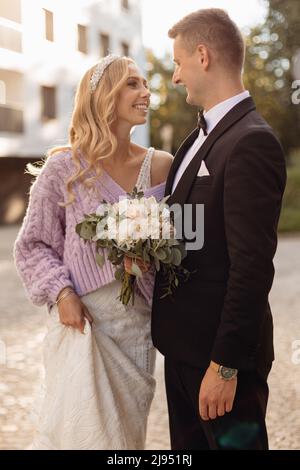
(90, 132)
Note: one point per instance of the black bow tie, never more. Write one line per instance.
(202, 124)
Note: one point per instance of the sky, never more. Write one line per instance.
(159, 15)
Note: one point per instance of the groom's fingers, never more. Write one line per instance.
(228, 406)
(221, 409)
(212, 411)
(204, 411)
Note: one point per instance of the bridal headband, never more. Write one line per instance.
(100, 69)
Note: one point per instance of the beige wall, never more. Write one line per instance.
(11, 10)
(10, 39)
(14, 88)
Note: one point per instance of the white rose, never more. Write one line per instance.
(123, 205)
(134, 210)
(151, 202)
(140, 229)
(111, 227)
(137, 209)
(154, 228)
(125, 229)
(101, 232)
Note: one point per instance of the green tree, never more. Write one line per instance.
(168, 103)
(271, 48)
(268, 69)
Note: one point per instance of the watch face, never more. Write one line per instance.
(227, 373)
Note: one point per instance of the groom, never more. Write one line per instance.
(216, 333)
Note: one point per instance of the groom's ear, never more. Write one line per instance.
(204, 55)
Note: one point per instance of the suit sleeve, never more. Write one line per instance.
(254, 182)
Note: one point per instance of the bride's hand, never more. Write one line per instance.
(72, 312)
(144, 267)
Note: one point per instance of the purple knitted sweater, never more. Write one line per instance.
(48, 253)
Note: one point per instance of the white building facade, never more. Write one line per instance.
(45, 48)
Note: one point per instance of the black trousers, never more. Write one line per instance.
(243, 428)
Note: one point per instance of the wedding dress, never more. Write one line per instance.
(99, 385)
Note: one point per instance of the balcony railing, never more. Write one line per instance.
(11, 119)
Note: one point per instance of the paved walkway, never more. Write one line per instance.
(22, 330)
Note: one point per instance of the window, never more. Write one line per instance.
(49, 25)
(48, 103)
(125, 49)
(125, 4)
(82, 38)
(11, 119)
(104, 44)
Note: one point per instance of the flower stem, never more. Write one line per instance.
(127, 290)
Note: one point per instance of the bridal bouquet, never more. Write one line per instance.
(139, 228)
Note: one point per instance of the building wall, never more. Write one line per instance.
(60, 64)
(11, 9)
(38, 62)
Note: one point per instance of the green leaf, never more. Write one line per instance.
(173, 242)
(119, 259)
(78, 228)
(169, 257)
(161, 254)
(136, 270)
(157, 264)
(100, 259)
(146, 256)
(176, 256)
(165, 295)
(86, 231)
(182, 249)
(164, 199)
(119, 274)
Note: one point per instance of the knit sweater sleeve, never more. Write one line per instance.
(38, 249)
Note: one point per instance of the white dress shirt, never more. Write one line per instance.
(212, 117)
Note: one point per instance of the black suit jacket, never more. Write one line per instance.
(222, 312)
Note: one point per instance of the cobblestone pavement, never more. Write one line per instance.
(22, 330)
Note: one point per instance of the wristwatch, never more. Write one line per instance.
(226, 373)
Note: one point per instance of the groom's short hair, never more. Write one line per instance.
(215, 29)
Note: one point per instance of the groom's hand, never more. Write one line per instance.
(216, 395)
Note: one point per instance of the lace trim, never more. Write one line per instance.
(144, 178)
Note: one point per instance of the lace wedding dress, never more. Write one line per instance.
(99, 385)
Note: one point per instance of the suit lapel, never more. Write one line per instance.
(184, 185)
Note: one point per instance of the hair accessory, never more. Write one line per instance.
(100, 69)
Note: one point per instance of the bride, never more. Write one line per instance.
(98, 354)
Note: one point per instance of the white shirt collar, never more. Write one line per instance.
(215, 114)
